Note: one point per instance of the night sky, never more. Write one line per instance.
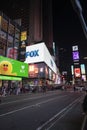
(68, 31)
(67, 27)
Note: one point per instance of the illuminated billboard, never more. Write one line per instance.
(9, 78)
(39, 53)
(77, 72)
(23, 36)
(36, 70)
(75, 48)
(72, 69)
(83, 69)
(13, 67)
(76, 55)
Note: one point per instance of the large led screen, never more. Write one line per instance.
(76, 55)
(77, 72)
(13, 67)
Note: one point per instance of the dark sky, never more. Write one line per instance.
(68, 31)
(67, 27)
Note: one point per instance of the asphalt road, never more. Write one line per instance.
(56, 110)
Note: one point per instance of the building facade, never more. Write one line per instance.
(36, 19)
(9, 37)
(36, 26)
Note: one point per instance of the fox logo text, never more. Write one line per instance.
(32, 53)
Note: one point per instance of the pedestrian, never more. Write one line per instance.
(74, 88)
(44, 87)
(84, 104)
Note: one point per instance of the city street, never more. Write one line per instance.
(55, 110)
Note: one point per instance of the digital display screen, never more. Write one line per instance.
(77, 72)
(83, 69)
(76, 55)
(12, 67)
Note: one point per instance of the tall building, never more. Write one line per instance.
(36, 18)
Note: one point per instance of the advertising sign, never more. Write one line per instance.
(36, 70)
(83, 69)
(76, 55)
(12, 52)
(13, 67)
(75, 48)
(23, 36)
(39, 53)
(77, 72)
(72, 69)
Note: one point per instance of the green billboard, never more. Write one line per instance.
(13, 67)
(10, 78)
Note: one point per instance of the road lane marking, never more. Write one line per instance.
(11, 112)
(6, 103)
(66, 109)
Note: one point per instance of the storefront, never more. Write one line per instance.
(12, 72)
